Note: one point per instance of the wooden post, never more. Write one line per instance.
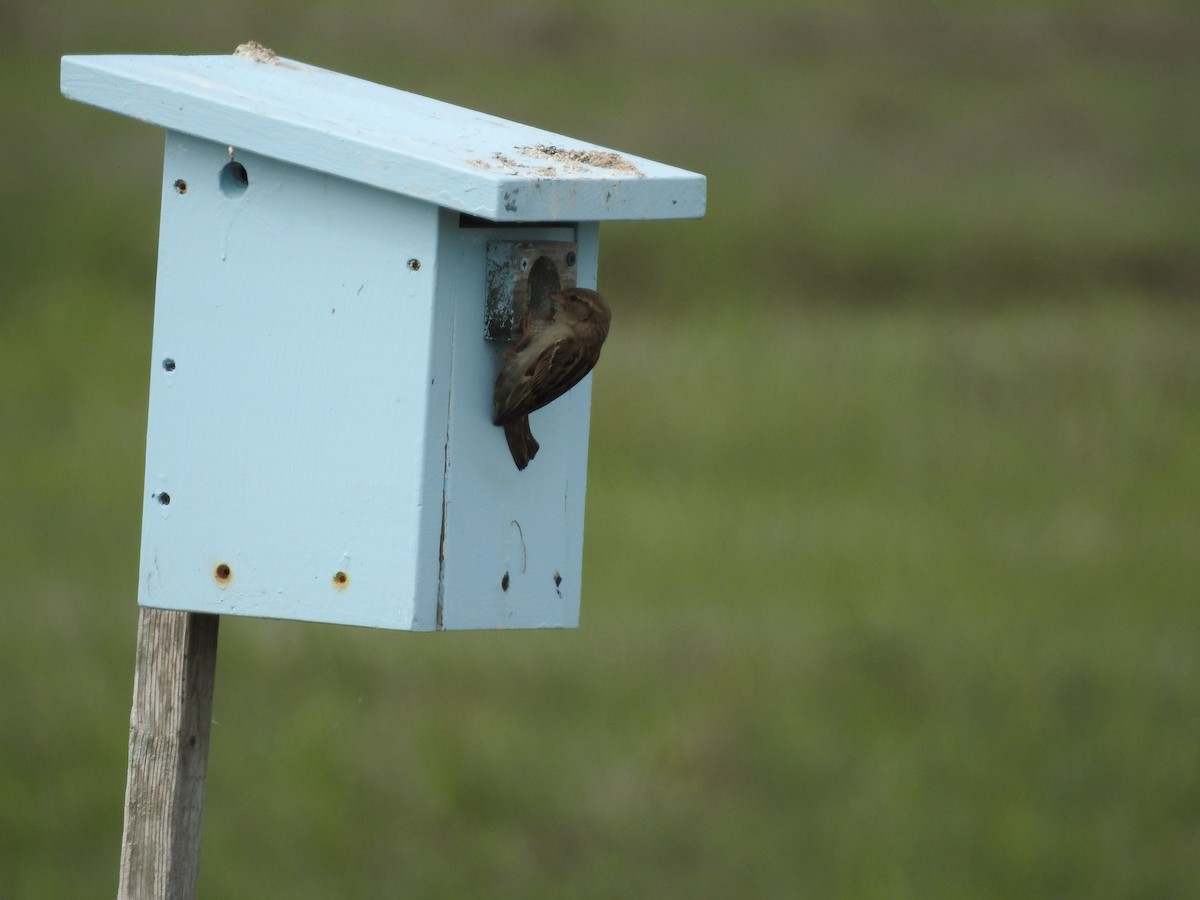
(168, 754)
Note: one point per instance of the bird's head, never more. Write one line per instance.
(582, 305)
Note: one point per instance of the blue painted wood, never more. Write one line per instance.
(320, 444)
(292, 413)
(403, 143)
(513, 543)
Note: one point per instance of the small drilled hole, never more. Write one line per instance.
(504, 582)
(180, 186)
(169, 364)
(223, 573)
(557, 579)
(164, 498)
(234, 179)
(414, 265)
(570, 257)
(340, 579)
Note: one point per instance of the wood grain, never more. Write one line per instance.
(168, 754)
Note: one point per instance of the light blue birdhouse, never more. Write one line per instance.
(339, 268)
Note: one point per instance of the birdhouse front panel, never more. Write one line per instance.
(513, 549)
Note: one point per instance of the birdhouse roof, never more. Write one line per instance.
(393, 140)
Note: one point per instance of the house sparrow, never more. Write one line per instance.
(551, 356)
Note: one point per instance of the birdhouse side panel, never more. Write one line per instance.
(289, 394)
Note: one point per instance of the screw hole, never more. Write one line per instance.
(223, 573)
(414, 265)
(180, 186)
(234, 179)
(504, 582)
(164, 498)
(571, 257)
(169, 364)
(340, 579)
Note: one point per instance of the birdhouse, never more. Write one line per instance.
(341, 268)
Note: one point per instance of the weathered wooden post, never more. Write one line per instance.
(340, 266)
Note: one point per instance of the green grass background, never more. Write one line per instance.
(891, 577)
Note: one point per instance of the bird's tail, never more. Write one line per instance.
(521, 442)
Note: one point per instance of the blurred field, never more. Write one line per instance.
(891, 577)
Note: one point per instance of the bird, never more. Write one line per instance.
(552, 354)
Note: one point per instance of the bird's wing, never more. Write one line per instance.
(548, 376)
(561, 367)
